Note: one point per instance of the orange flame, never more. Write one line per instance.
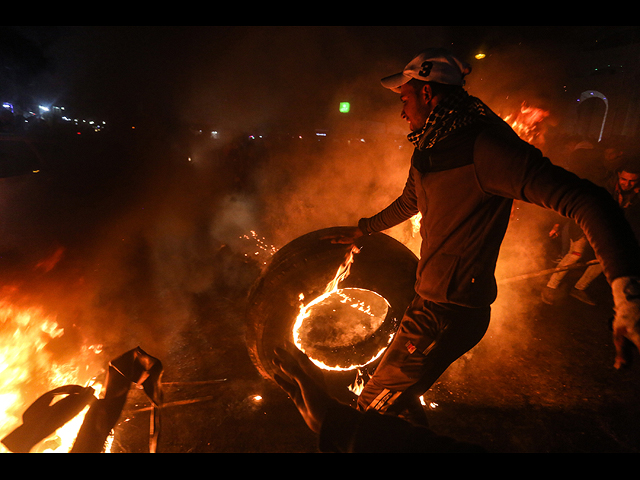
(415, 224)
(358, 384)
(28, 369)
(527, 123)
(332, 288)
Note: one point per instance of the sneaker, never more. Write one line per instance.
(582, 296)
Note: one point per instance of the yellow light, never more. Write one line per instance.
(480, 56)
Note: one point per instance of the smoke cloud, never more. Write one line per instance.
(157, 228)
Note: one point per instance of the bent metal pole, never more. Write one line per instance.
(547, 272)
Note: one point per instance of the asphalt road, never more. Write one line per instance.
(542, 381)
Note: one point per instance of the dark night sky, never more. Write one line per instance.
(247, 76)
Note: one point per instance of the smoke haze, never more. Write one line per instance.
(153, 225)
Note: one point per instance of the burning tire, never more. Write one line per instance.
(382, 277)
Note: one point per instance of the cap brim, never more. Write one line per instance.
(394, 82)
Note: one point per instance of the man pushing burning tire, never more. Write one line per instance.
(467, 167)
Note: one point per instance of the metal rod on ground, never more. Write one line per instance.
(203, 382)
(176, 404)
(549, 271)
(184, 402)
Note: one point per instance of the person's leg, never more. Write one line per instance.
(430, 338)
(572, 257)
(591, 273)
(550, 292)
(578, 291)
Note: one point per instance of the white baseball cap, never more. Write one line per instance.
(432, 65)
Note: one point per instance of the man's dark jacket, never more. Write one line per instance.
(465, 186)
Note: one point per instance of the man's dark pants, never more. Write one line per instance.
(430, 338)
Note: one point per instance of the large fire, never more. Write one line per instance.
(29, 368)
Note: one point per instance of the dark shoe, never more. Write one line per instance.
(582, 296)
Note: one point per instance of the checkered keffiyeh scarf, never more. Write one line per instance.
(452, 113)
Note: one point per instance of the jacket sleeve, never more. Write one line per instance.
(402, 209)
(510, 167)
(346, 430)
